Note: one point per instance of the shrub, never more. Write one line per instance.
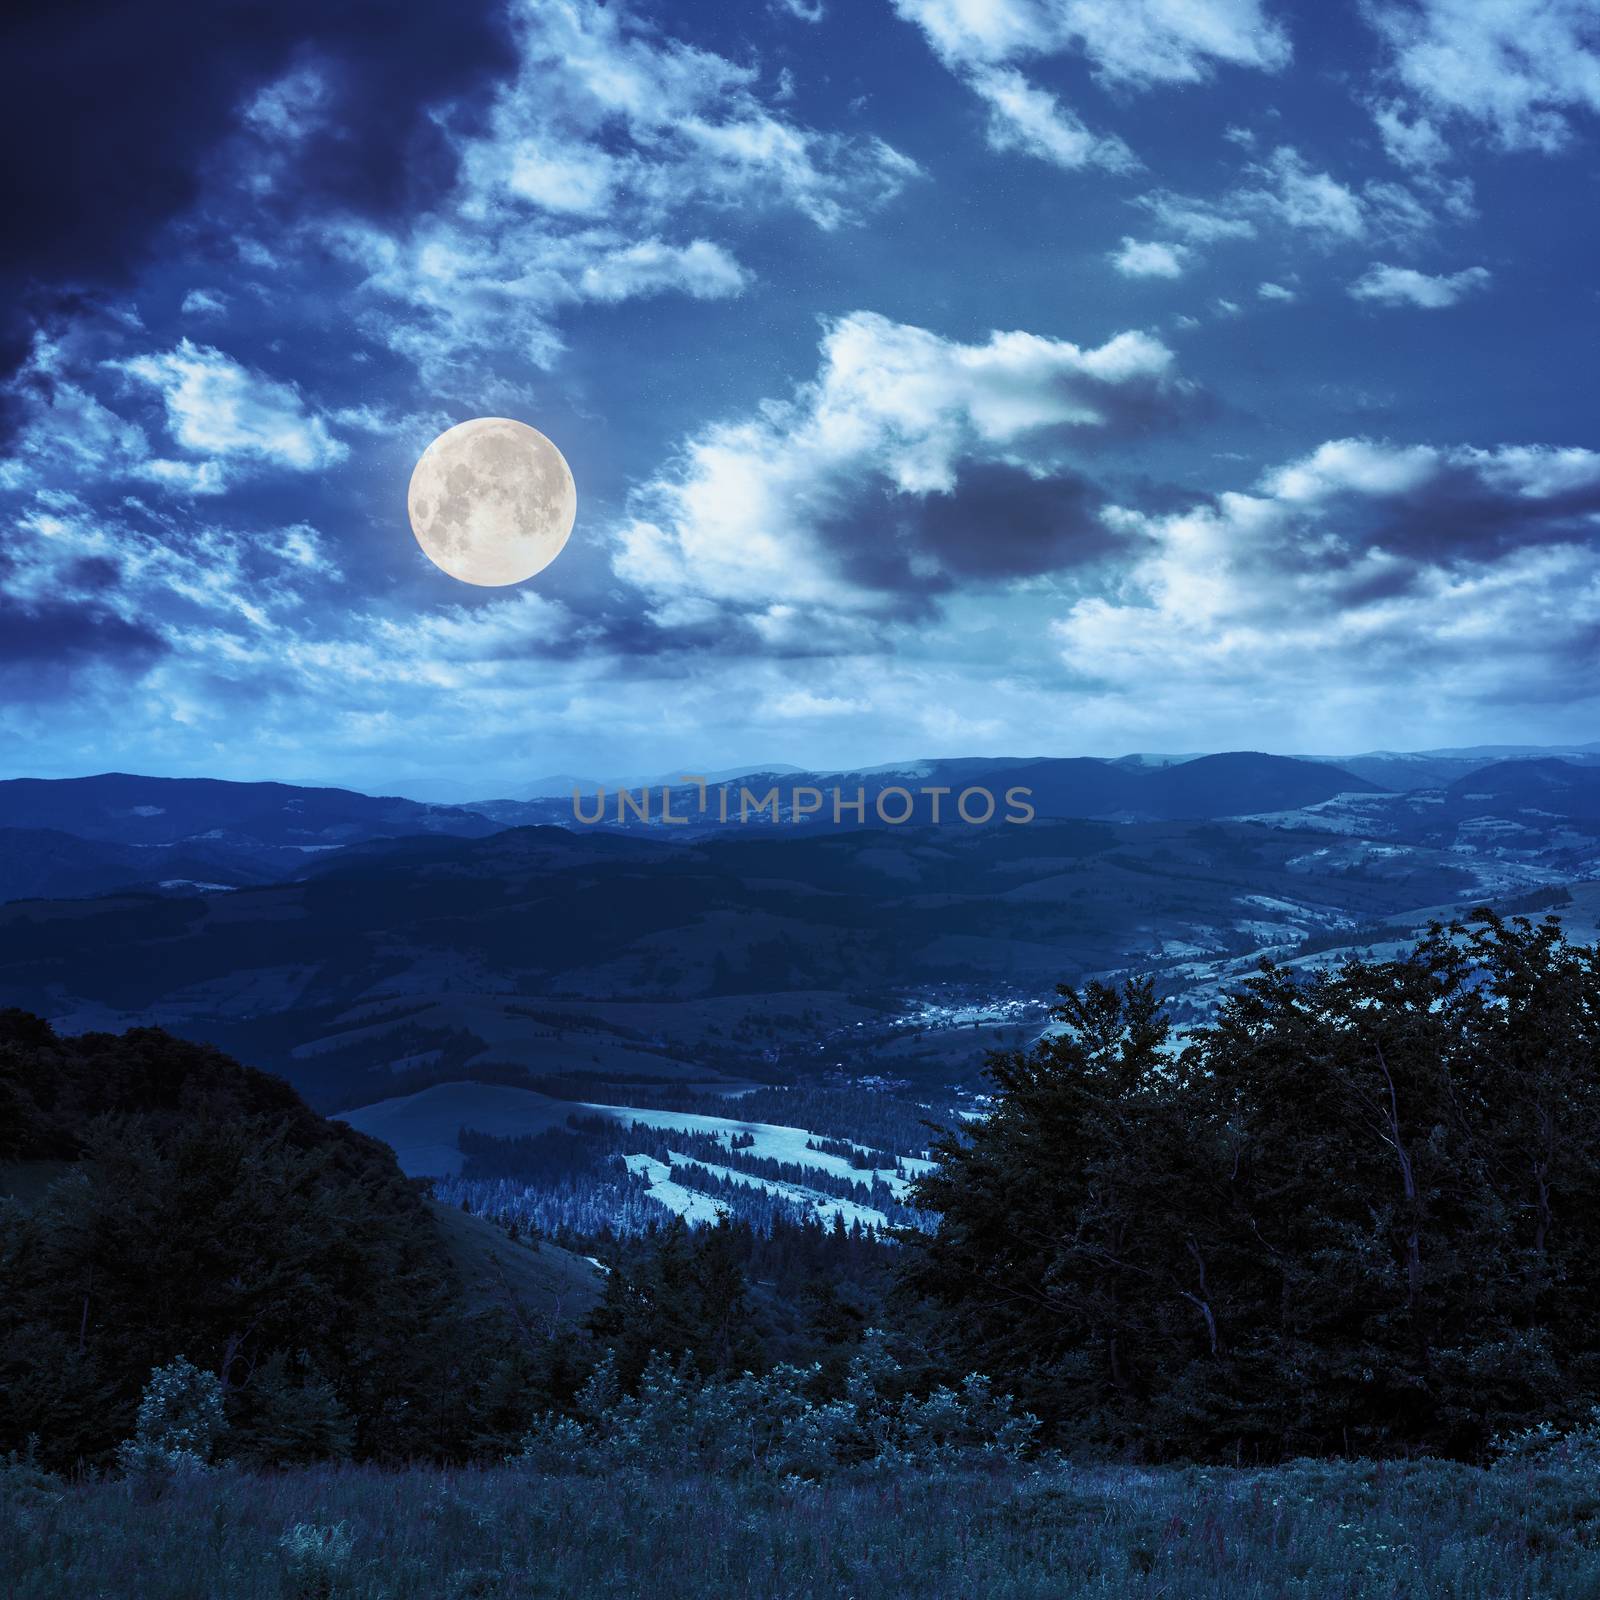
(776, 1425)
(316, 1560)
(180, 1418)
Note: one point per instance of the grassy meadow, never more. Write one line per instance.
(1422, 1529)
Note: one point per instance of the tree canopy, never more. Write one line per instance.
(1358, 1213)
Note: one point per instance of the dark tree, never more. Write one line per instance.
(1361, 1212)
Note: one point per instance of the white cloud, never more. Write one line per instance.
(204, 303)
(1357, 575)
(1519, 69)
(740, 517)
(1403, 286)
(701, 269)
(1284, 191)
(1135, 43)
(67, 431)
(292, 106)
(218, 409)
(1149, 259)
(1030, 121)
(170, 576)
(504, 628)
(801, 704)
(1199, 221)
(1413, 142)
(1288, 187)
(1276, 291)
(1139, 42)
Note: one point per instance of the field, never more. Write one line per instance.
(1351, 1530)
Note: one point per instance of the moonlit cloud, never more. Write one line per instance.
(1524, 72)
(1030, 121)
(1137, 44)
(1150, 259)
(1354, 577)
(1404, 286)
(701, 269)
(765, 510)
(1285, 194)
(218, 409)
(577, 191)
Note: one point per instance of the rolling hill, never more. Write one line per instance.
(119, 808)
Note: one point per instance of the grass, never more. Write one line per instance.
(1311, 1530)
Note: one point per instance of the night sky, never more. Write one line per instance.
(939, 377)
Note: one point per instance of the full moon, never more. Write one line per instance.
(492, 501)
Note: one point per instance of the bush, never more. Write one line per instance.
(26, 1489)
(316, 1560)
(1545, 1445)
(777, 1425)
(180, 1418)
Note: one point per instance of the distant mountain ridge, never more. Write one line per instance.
(116, 832)
(123, 808)
(1235, 783)
(1547, 787)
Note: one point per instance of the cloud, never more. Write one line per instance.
(1413, 142)
(1403, 286)
(1519, 70)
(1354, 577)
(220, 410)
(609, 140)
(908, 460)
(701, 269)
(1136, 44)
(204, 303)
(63, 430)
(1288, 188)
(1199, 221)
(1149, 259)
(399, 89)
(1276, 291)
(44, 642)
(1284, 191)
(1031, 121)
(166, 570)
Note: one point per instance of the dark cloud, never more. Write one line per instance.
(1460, 512)
(42, 646)
(110, 114)
(998, 522)
(94, 574)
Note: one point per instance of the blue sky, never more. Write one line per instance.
(940, 377)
